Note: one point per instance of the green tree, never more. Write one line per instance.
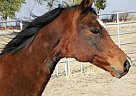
(8, 8)
(100, 5)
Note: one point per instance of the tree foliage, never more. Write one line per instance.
(99, 5)
(9, 7)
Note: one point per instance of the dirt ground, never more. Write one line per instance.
(93, 82)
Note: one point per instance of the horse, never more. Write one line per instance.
(28, 60)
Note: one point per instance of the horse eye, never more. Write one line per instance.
(94, 30)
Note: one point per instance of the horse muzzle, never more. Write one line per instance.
(118, 73)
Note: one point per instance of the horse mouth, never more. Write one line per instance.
(117, 73)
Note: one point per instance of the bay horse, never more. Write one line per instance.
(27, 61)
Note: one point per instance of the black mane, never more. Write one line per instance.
(30, 31)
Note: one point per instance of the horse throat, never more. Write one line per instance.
(49, 66)
(48, 61)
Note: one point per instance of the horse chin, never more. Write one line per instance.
(116, 73)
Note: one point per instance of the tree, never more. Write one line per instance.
(8, 8)
(99, 5)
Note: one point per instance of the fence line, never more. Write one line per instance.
(6, 22)
(122, 33)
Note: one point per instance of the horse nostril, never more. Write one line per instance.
(126, 66)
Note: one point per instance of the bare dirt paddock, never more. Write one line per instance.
(93, 82)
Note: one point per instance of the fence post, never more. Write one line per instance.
(5, 25)
(81, 67)
(57, 70)
(68, 66)
(66, 70)
(21, 25)
(118, 24)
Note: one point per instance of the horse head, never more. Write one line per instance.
(89, 41)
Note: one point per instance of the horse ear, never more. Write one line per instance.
(86, 3)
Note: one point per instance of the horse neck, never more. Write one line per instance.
(42, 55)
(50, 40)
(45, 48)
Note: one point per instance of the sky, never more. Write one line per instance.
(112, 5)
(120, 5)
